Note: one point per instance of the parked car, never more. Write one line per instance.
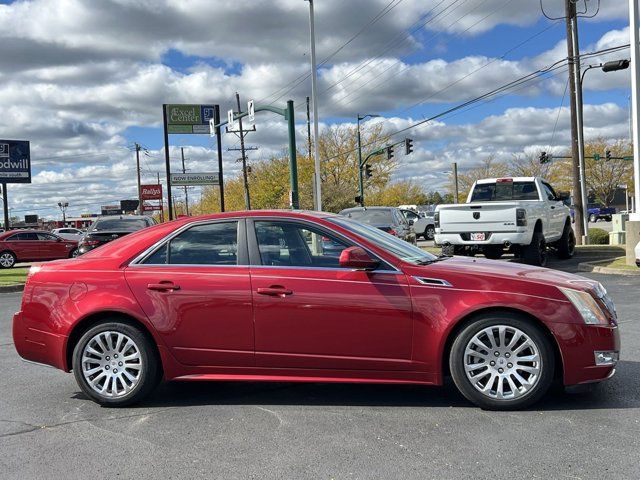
(247, 296)
(637, 252)
(33, 245)
(387, 219)
(108, 228)
(423, 225)
(521, 215)
(68, 233)
(599, 212)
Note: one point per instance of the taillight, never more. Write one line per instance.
(521, 217)
(436, 220)
(393, 232)
(90, 243)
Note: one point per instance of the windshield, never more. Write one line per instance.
(371, 216)
(504, 191)
(399, 248)
(120, 225)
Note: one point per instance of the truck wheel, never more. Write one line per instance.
(448, 250)
(567, 243)
(429, 233)
(593, 218)
(536, 252)
(493, 252)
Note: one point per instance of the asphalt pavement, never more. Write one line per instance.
(49, 429)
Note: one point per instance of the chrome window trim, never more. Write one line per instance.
(335, 269)
(149, 251)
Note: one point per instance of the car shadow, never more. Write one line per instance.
(620, 392)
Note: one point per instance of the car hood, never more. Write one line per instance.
(495, 275)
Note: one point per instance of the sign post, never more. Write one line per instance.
(15, 167)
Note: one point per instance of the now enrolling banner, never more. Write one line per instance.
(187, 179)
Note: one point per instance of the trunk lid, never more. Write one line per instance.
(478, 217)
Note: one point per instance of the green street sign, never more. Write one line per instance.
(596, 156)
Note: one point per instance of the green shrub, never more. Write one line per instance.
(598, 236)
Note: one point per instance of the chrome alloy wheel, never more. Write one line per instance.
(7, 260)
(502, 362)
(112, 364)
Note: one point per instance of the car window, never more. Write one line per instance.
(25, 236)
(504, 191)
(548, 191)
(47, 236)
(376, 216)
(409, 215)
(296, 245)
(210, 244)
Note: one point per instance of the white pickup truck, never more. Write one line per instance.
(520, 215)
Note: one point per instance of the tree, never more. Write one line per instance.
(604, 177)
(405, 192)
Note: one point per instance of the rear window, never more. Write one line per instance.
(504, 191)
(121, 224)
(372, 217)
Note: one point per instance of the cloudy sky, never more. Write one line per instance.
(84, 80)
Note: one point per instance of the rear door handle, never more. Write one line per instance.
(163, 286)
(275, 291)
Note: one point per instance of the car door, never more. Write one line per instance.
(310, 313)
(195, 289)
(25, 246)
(555, 209)
(51, 247)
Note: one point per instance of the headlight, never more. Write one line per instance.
(589, 309)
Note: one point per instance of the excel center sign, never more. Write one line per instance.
(189, 119)
(15, 161)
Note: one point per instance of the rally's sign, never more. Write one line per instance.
(189, 119)
(151, 192)
(15, 161)
(186, 179)
(147, 207)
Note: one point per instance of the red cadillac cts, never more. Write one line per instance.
(254, 296)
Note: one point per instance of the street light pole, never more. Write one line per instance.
(63, 208)
(634, 24)
(360, 179)
(314, 99)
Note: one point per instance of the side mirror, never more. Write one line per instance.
(358, 258)
(58, 239)
(411, 221)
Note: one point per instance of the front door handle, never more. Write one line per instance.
(552, 207)
(164, 286)
(274, 291)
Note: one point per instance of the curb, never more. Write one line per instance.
(12, 288)
(595, 268)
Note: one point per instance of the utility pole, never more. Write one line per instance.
(455, 181)
(5, 207)
(576, 119)
(140, 206)
(314, 91)
(186, 191)
(241, 133)
(635, 103)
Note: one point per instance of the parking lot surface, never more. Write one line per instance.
(49, 429)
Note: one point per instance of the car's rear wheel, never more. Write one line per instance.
(448, 250)
(7, 259)
(115, 364)
(502, 361)
(74, 253)
(429, 233)
(536, 252)
(593, 218)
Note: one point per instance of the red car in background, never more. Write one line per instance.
(32, 246)
(255, 296)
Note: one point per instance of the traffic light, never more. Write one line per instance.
(358, 199)
(389, 152)
(596, 157)
(408, 146)
(544, 158)
(368, 172)
(607, 155)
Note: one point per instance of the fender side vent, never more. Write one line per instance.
(433, 281)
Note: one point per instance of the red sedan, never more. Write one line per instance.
(254, 296)
(33, 245)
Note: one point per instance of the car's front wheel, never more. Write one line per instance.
(7, 259)
(502, 361)
(429, 233)
(115, 364)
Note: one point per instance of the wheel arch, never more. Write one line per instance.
(471, 317)
(94, 319)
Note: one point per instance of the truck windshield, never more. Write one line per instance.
(504, 191)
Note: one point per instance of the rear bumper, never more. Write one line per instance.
(39, 346)
(495, 238)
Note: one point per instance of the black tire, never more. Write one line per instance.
(8, 259)
(607, 218)
(448, 250)
(429, 233)
(567, 243)
(593, 218)
(493, 252)
(545, 354)
(536, 252)
(73, 253)
(150, 373)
